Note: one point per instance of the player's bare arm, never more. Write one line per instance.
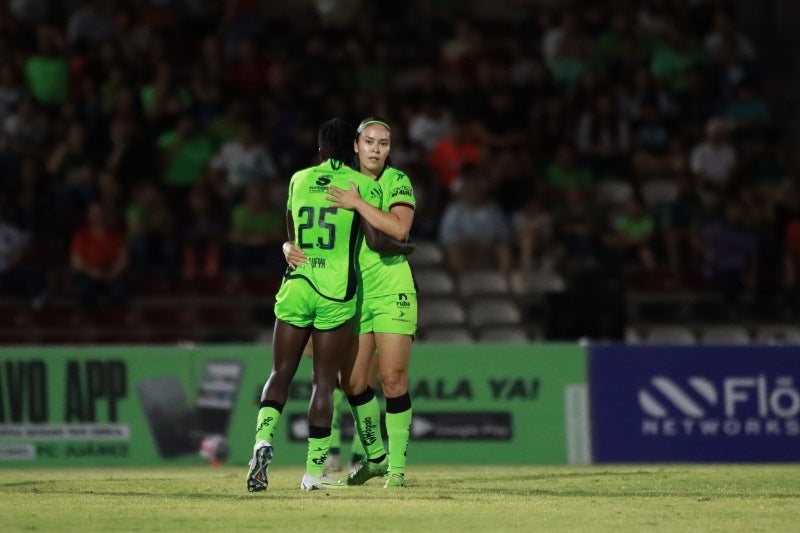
(395, 223)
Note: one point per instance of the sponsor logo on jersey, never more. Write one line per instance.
(402, 300)
(403, 190)
(321, 185)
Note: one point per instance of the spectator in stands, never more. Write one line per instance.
(725, 29)
(474, 231)
(455, 150)
(566, 174)
(677, 220)
(186, 152)
(713, 161)
(151, 229)
(72, 173)
(632, 235)
(92, 24)
(241, 162)
(25, 133)
(749, 115)
(47, 72)
(202, 235)
(256, 233)
(728, 251)
(603, 138)
(20, 273)
(10, 93)
(533, 228)
(674, 57)
(791, 268)
(99, 260)
(430, 123)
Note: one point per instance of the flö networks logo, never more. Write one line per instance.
(732, 406)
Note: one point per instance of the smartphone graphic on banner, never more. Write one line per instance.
(172, 423)
(216, 397)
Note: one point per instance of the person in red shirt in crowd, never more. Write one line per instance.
(99, 260)
(454, 151)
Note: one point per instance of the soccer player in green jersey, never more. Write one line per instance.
(316, 300)
(387, 311)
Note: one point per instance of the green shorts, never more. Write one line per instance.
(298, 304)
(392, 313)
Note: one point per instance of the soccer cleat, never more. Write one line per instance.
(394, 481)
(333, 463)
(366, 471)
(257, 476)
(323, 482)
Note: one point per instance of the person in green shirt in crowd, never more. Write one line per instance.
(186, 152)
(47, 72)
(256, 230)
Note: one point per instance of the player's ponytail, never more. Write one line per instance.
(335, 141)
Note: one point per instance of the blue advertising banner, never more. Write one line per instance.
(695, 404)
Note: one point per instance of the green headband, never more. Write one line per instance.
(373, 121)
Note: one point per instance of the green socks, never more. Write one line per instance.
(268, 416)
(367, 417)
(318, 444)
(398, 429)
(339, 398)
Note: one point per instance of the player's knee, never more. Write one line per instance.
(394, 384)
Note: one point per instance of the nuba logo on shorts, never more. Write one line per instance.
(402, 300)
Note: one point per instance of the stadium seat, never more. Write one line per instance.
(426, 254)
(454, 334)
(482, 283)
(62, 316)
(669, 334)
(111, 317)
(221, 284)
(632, 335)
(434, 282)
(221, 315)
(156, 284)
(441, 312)
(778, 334)
(66, 336)
(725, 334)
(14, 314)
(493, 312)
(503, 334)
(167, 315)
(129, 336)
(261, 284)
(526, 282)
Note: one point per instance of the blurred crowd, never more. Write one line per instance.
(625, 141)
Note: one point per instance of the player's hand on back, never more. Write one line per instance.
(344, 198)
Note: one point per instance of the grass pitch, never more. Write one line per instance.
(465, 498)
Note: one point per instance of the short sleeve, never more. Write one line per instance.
(401, 192)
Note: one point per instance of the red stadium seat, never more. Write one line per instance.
(221, 315)
(167, 315)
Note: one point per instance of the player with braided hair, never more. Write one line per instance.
(317, 299)
(387, 314)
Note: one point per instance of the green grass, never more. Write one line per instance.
(466, 498)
